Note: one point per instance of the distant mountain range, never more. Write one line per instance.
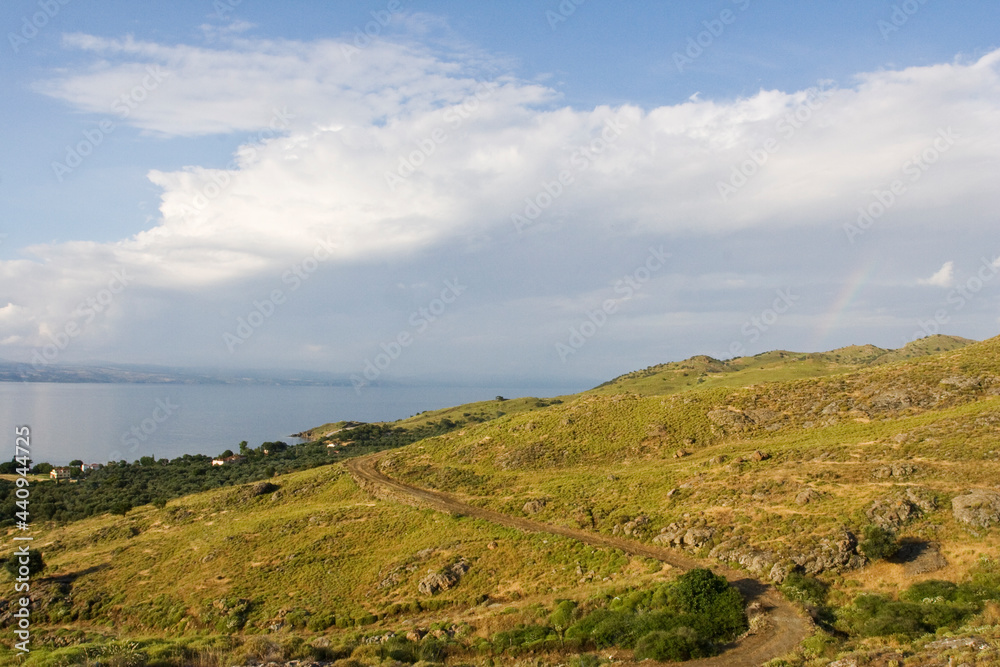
(135, 374)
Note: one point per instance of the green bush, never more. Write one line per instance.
(879, 543)
(35, 563)
(805, 589)
(399, 648)
(879, 616)
(521, 637)
(320, 622)
(432, 649)
(676, 645)
(697, 590)
(930, 590)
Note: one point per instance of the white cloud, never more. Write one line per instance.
(944, 277)
(322, 176)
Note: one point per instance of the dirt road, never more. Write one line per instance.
(785, 626)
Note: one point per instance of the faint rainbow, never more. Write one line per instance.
(835, 314)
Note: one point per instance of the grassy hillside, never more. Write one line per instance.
(775, 477)
(781, 464)
(310, 556)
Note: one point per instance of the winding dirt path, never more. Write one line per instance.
(785, 626)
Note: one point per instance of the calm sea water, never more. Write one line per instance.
(104, 422)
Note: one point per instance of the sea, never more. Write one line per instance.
(97, 423)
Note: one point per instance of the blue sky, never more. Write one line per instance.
(504, 190)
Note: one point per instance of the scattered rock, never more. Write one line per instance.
(897, 470)
(807, 496)
(979, 507)
(759, 456)
(977, 643)
(681, 453)
(891, 513)
(697, 537)
(837, 553)
(897, 399)
(534, 506)
(779, 572)
(636, 526)
(444, 579)
(960, 382)
(730, 419)
(845, 662)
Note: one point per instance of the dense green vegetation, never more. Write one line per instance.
(120, 486)
(683, 619)
(923, 608)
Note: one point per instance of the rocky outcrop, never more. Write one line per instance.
(444, 579)
(633, 528)
(979, 508)
(731, 421)
(534, 506)
(962, 382)
(676, 535)
(758, 561)
(897, 470)
(891, 513)
(807, 496)
(836, 553)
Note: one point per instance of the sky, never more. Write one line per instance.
(550, 190)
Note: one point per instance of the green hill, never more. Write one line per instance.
(801, 469)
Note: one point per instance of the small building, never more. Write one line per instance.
(60, 472)
(235, 458)
(86, 467)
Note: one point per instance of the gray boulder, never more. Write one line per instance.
(979, 508)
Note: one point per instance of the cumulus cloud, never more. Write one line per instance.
(943, 277)
(395, 150)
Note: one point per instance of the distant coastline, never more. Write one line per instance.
(119, 374)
